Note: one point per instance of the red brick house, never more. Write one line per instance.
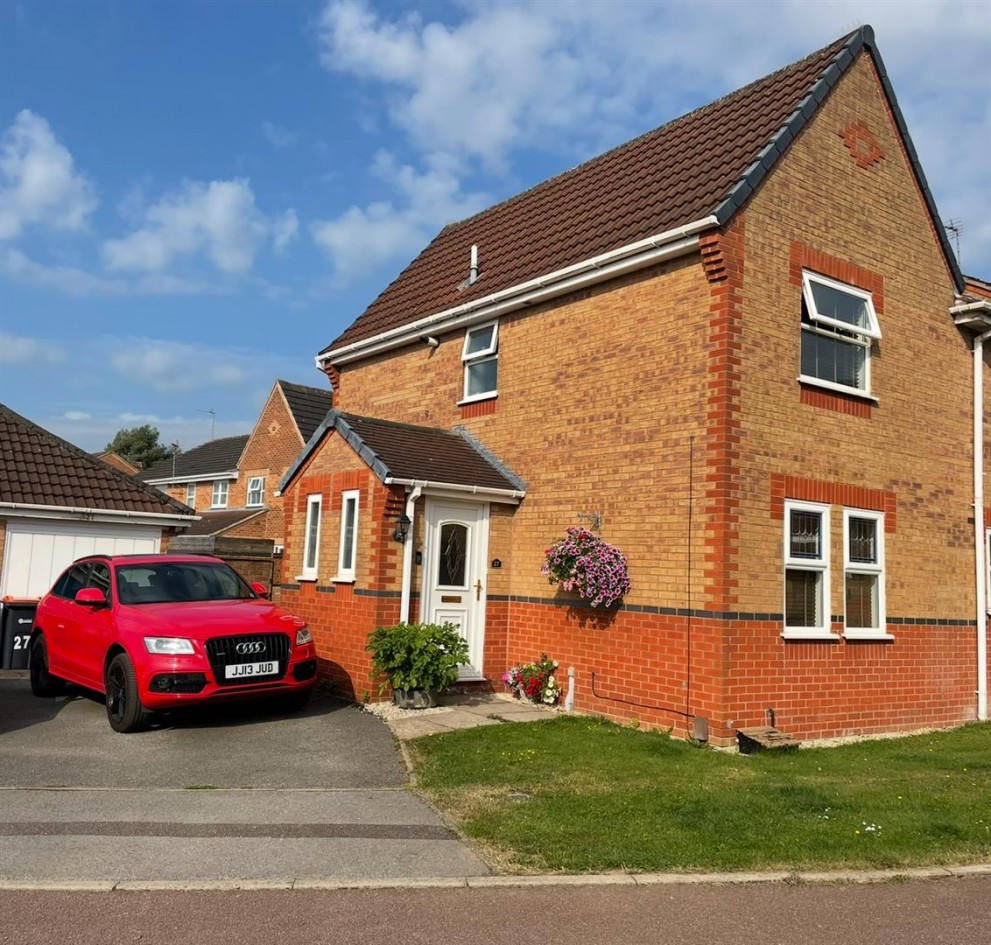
(232, 481)
(739, 347)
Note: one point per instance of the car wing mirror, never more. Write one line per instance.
(260, 589)
(91, 597)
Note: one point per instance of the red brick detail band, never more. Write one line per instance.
(723, 261)
(808, 257)
(841, 403)
(862, 145)
(334, 376)
(480, 408)
(832, 493)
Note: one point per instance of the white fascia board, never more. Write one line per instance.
(639, 255)
(973, 315)
(205, 477)
(455, 490)
(71, 513)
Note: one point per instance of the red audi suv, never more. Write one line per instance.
(154, 632)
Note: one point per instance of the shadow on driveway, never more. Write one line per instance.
(67, 742)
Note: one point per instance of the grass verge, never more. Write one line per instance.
(580, 794)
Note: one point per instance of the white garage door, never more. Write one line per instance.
(36, 553)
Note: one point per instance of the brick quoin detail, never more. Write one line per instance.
(808, 257)
(841, 403)
(723, 262)
(480, 408)
(334, 376)
(832, 493)
(862, 145)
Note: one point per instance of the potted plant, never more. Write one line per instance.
(588, 566)
(417, 660)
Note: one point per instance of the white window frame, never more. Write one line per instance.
(489, 353)
(877, 569)
(820, 565)
(191, 494)
(311, 542)
(840, 331)
(344, 573)
(220, 494)
(255, 484)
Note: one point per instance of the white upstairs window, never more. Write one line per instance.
(481, 360)
(256, 491)
(839, 327)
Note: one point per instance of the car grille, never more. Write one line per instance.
(222, 651)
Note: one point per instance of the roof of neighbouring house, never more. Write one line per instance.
(703, 165)
(117, 461)
(402, 451)
(977, 287)
(214, 523)
(308, 405)
(215, 457)
(38, 468)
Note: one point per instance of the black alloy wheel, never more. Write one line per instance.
(124, 709)
(43, 683)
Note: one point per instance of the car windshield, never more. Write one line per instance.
(179, 582)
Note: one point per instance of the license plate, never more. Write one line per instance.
(247, 670)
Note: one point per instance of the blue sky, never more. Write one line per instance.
(196, 197)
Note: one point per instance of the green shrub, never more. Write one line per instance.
(417, 655)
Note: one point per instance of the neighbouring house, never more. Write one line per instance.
(232, 481)
(58, 502)
(118, 462)
(739, 348)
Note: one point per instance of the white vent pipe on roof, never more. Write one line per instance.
(473, 270)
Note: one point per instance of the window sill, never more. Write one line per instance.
(478, 398)
(306, 577)
(868, 635)
(341, 579)
(824, 636)
(836, 388)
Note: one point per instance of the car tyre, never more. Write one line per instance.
(43, 683)
(124, 709)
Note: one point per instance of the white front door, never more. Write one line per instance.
(454, 575)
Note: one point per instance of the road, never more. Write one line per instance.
(934, 912)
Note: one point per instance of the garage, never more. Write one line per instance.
(36, 552)
(58, 503)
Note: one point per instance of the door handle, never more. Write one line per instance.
(478, 589)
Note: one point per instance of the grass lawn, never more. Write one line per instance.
(581, 794)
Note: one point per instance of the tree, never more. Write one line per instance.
(139, 445)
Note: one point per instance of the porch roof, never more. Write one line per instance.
(405, 453)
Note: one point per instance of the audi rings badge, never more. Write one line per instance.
(243, 649)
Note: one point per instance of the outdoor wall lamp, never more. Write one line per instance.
(402, 528)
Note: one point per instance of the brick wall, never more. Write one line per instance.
(906, 454)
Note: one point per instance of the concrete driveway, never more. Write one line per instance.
(235, 793)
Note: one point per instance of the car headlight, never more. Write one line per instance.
(169, 646)
(303, 636)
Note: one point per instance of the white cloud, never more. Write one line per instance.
(39, 184)
(77, 415)
(284, 230)
(219, 218)
(69, 280)
(277, 136)
(16, 349)
(363, 237)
